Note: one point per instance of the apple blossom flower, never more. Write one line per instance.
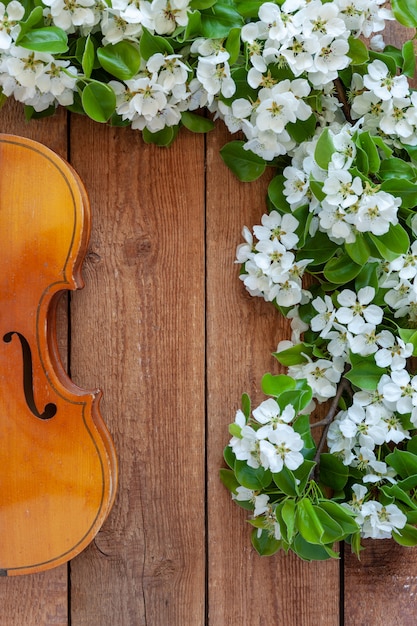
(356, 309)
(382, 84)
(10, 15)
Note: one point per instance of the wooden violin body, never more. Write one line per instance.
(58, 468)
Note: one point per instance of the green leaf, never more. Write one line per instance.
(332, 472)
(302, 473)
(99, 101)
(264, 543)
(309, 552)
(193, 28)
(248, 8)
(368, 276)
(275, 385)
(235, 430)
(358, 52)
(389, 60)
(218, 21)
(285, 480)
(324, 149)
(409, 59)
(35, 18)
(409, 335)
(196, 123)
(396, 168)
(316, 187)
(302, 427)
(308, 522)
(276, 194)
(49, 39)
(318, 248)
(359, 250)
(341, 515)
(408, 483)
(380, 143)
(369, 147)
(295, 355)
(202, 4)
(252, 478)
(362, 160)
(298, 399)
(332, 530)
(404, 189)
(246, 165)
(246, 405)
(406, 536)
(302, 129)
(88, 57)
(31, 114)
(152, 44)
(412, 152)
(395, 492)
(341, 270)
(404, 462)
(395, 53)
(232, 45)
(228, 478)
(412, 445)
(121, 59)
(229, 457)
(304, 217)
(395, 242)
(365, 375)
(288, 517)
(162, 138)
(405, 12)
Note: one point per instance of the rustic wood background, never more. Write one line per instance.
(168, 332)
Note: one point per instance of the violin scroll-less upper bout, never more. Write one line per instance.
(58, 465)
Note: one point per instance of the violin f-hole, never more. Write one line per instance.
(50, 409)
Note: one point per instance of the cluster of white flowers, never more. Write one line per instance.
(273, 443)
(122, 19)
(385, 103)
(156, 96)
(376, 520)
(309, 38)
(349, 205)
(271, 270)
(35, 78)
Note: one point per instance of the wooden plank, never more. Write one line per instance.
(40, 598)
(242, 333)
(138, 333)
(381, 588)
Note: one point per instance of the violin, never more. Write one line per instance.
(58, 467)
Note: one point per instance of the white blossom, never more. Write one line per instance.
(356, 310)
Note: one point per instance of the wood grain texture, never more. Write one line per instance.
(241, 334)
(381, 588)
(138, 333)
(38, 599)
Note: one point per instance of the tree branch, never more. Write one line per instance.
(341, 95)
(343, 386)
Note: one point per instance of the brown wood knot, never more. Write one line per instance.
(137, 248)
(93, 257)
(165, 569)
